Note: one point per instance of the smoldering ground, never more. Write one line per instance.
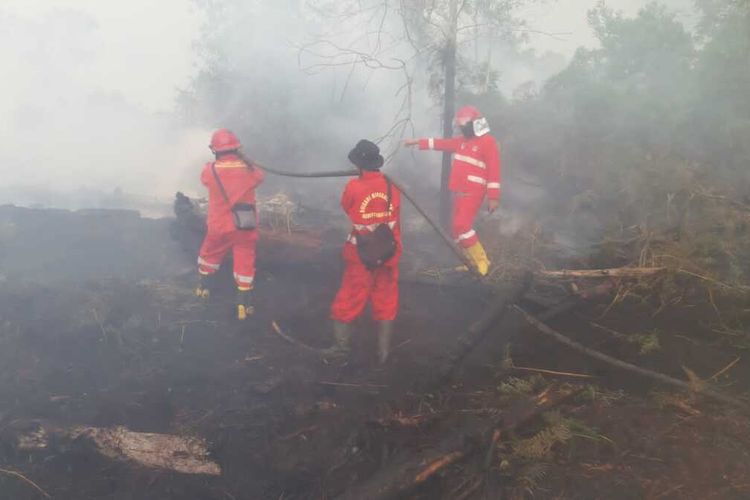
(630, 155)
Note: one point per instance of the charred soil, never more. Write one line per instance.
(99, 327)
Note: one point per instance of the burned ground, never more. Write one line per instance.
(99, 327)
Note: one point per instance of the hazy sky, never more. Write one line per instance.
(88, 85)
(85, 94)
(143, 48)
(569, 16)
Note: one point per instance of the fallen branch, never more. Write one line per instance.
(549, 332)
(725, 369)
(184, 454)
(618, 272)
(479, 330)
(404, 475)
(346, 384)
(714, 281)
(551, 372)
(26, 480)
(188, 455)
(399, 420)
(436, 465)
(280, 333)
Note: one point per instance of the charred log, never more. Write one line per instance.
(407, 474)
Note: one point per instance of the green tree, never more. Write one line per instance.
(721, 106)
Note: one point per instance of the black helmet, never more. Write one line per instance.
(366, 155)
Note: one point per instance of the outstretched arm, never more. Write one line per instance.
(436, 144)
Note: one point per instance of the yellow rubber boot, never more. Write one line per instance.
(201, 291)
(244, 303)
(477, 255)
(241, 312)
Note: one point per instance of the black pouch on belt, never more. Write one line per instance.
(243, 214)
(377, 247)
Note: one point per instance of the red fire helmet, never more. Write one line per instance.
(467, 114)
(224, 140)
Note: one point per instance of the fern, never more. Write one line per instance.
(539, 447)
(520, 386)
(649, 342)
(530, 478)
(557, 431)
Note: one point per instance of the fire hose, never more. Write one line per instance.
(351, 173)
(495, 311)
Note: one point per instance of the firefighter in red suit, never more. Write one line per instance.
(239, 181)
(365, 201)
(475, 173)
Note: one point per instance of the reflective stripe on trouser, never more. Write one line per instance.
(241, 243)
(360, 286)
(465, 209)
(244, 282)
(206, 268)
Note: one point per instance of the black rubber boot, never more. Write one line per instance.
(385, 333)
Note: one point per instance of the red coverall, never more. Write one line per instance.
(364, 201)
(239, 182)
(474, 173)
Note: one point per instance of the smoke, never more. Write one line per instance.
(87, 95)
(105, 97)
(561, 26)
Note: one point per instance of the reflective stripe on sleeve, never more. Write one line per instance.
(243, 279)
(474, 178)
(470, 161)
(431, 143)
(493, 185)
(202, 262)
(466, 235)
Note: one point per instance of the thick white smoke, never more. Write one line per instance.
(89, 89)
(87, 95)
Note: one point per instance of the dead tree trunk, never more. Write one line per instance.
(449, 109)
(659, 377)
(620, 272)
